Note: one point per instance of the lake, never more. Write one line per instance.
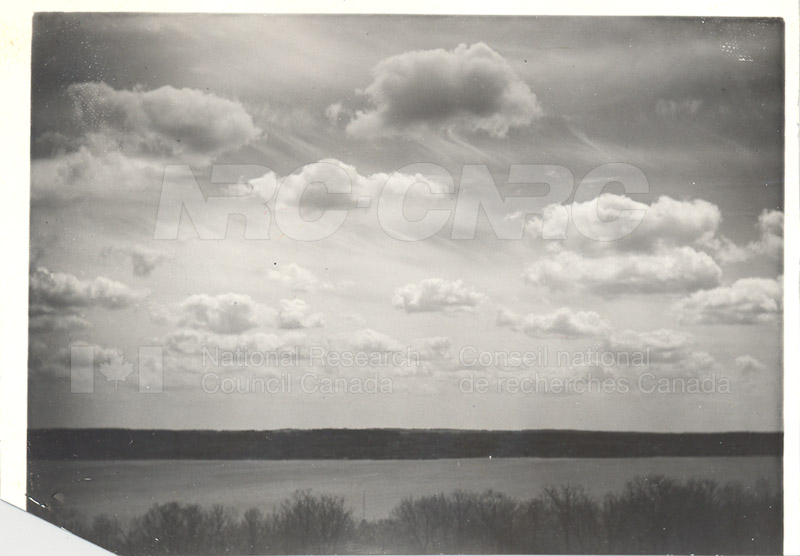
(371, 487)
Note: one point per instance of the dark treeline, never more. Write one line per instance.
(61, 444)
(653, 515)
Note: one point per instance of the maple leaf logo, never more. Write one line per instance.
(116, 369)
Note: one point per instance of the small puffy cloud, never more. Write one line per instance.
(163, 121)
(561, 323)
(769, 244)
(296, 278)
(470, 87)
(668, 271)
(436, 294)
(746, 301)
(749, 365)
(228, 313)
(370, 341)
(295, 313)
(60, 290)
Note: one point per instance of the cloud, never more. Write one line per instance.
(672, 270)
(297, 278)
(682, 108)
(303, 188)
(436, 348)
(657, 230)
(60, 290)
(749, 365)
(295, 313)
(336, 113)
(769, 244)
(228, 313)
(54, 361)
(667, 351)
(370, 341)
(143, 259)
(164, 121)
(420, 357)
(664, 345)
(188, 341)
(470, 87)
(86, 173)
(670, 247)
(561, 323)
(664, 223)
(746, 301)
(235, 314)
(436, 294)
(45, 323)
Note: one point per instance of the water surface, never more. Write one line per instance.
(370, 487)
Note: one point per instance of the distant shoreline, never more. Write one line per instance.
(383, 444)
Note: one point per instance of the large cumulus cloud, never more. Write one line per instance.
(470, 87)
(163, 121)
(666, 222)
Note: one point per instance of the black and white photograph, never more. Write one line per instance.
(408, 284)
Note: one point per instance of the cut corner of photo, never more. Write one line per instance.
(23, 534)
(398, 282)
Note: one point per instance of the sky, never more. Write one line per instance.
(529, 222)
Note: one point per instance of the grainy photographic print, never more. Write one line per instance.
(391, 284)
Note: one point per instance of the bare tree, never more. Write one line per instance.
(309, 523)
(255, 531)
(423, 521)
